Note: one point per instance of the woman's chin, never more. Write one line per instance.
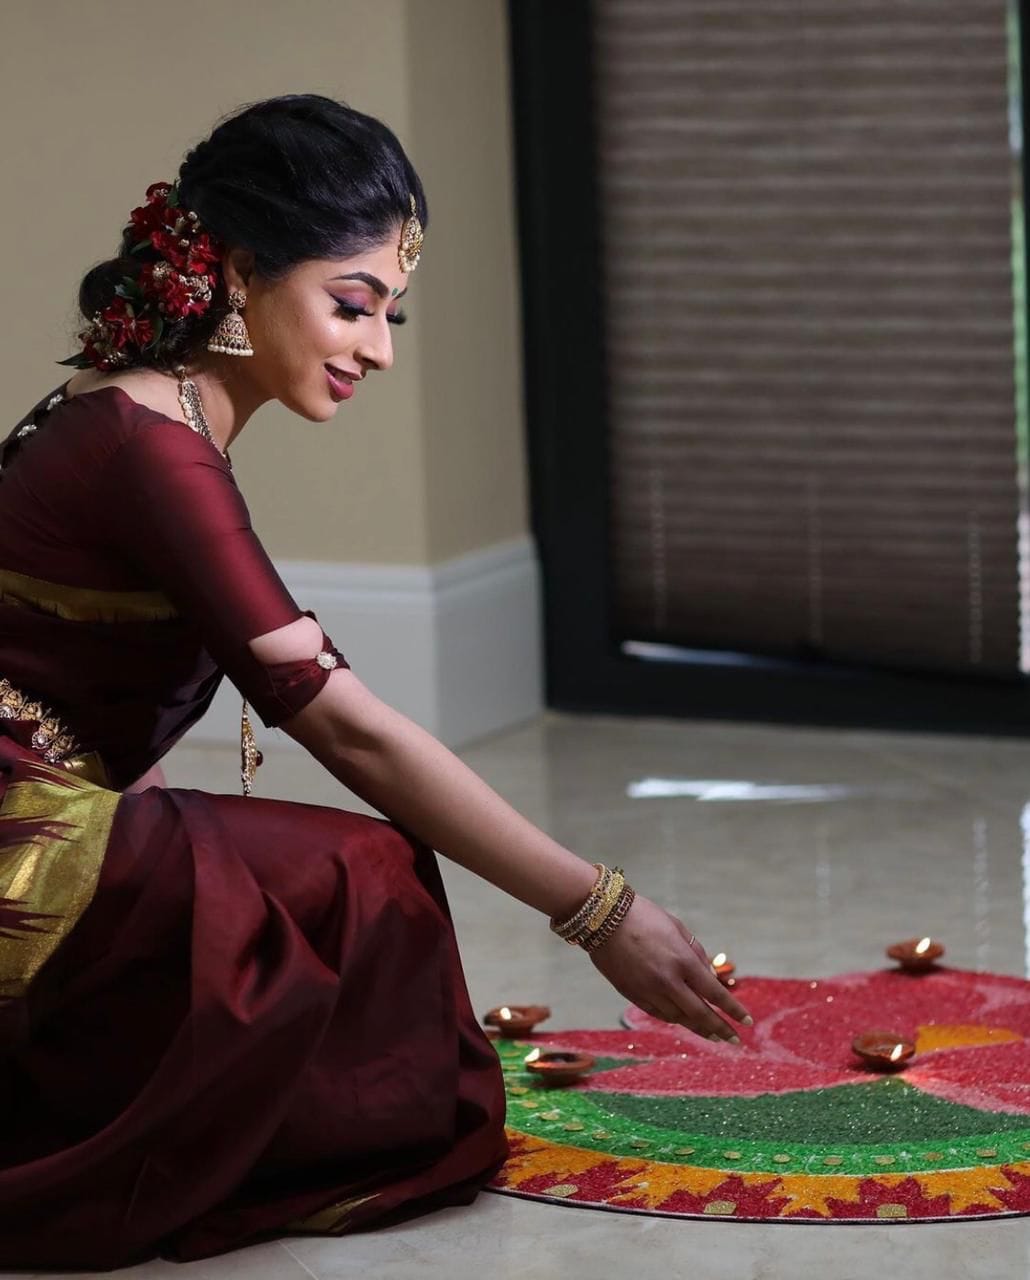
(314, 408)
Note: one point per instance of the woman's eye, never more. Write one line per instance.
(351, 311)
(348, 311)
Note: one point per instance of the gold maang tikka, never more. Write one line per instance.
(410, 248)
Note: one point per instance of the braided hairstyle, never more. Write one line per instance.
(291, 179)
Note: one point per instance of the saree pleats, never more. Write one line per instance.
(258, 1024)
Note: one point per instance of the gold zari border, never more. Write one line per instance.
(54, 829)
(330, 1221)
(84, 604)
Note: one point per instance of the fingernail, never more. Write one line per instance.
(747, 1021)
(734, 1040)
(716, 1037)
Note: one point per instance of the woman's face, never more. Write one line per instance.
(317, 331)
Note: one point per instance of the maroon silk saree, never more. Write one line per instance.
(221, 1019)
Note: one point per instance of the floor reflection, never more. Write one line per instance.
(799, 852)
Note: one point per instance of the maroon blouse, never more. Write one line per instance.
(131, 579)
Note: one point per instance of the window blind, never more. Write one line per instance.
(807, 225)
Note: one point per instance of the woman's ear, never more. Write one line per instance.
(237, 268)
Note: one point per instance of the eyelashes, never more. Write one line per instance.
(348, 312)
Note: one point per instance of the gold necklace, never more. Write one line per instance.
(193, 408)
(196, 419)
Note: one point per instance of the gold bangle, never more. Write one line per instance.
(564, 927)
(601, 911)
(614, 920)
(609, 900)
(574, 927)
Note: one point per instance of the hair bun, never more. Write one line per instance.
(100, 282)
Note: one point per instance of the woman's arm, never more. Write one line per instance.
(405, 773)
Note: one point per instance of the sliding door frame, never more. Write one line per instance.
(567, 427)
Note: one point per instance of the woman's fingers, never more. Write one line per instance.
(692, 942)
(700, 952)
(711, 1025)
(694, 1014)
(706, 984)
(700, 1017)
(667, 1012)
(655, 955)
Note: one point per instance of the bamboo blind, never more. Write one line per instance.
(807, 242)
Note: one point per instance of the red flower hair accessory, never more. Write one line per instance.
(180, 284)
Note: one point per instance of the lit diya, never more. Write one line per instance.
(916, 954)
(558, 1067)
(884, 1050)
(724, 969)
(512, 1020)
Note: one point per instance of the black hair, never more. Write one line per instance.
(291, 179)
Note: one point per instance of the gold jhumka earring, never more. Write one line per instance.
(231, 337)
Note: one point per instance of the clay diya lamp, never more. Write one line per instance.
(724, 969)
(915, 955)
(558, 1067)
(883, 1050)
(514, 1020)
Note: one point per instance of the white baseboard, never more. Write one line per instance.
(455, 646)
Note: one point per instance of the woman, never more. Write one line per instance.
(226, 1018)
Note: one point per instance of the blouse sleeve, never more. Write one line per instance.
(170, 504)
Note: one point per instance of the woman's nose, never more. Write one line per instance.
(376, 351)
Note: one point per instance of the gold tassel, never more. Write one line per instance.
(251, 758)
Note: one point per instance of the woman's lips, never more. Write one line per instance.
(340, 386)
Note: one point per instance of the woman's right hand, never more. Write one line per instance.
(656, 962)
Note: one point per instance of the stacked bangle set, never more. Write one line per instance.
(601, 914)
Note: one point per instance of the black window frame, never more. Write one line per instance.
(586, 669)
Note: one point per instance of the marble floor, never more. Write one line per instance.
(799, 851)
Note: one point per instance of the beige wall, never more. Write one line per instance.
(469, 342)
(99, 100)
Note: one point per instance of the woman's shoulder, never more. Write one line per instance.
(141, 390)
(94, 419)
(129, 409)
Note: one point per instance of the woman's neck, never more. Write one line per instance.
(229, 400)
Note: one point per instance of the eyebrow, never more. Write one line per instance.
(373, 282)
